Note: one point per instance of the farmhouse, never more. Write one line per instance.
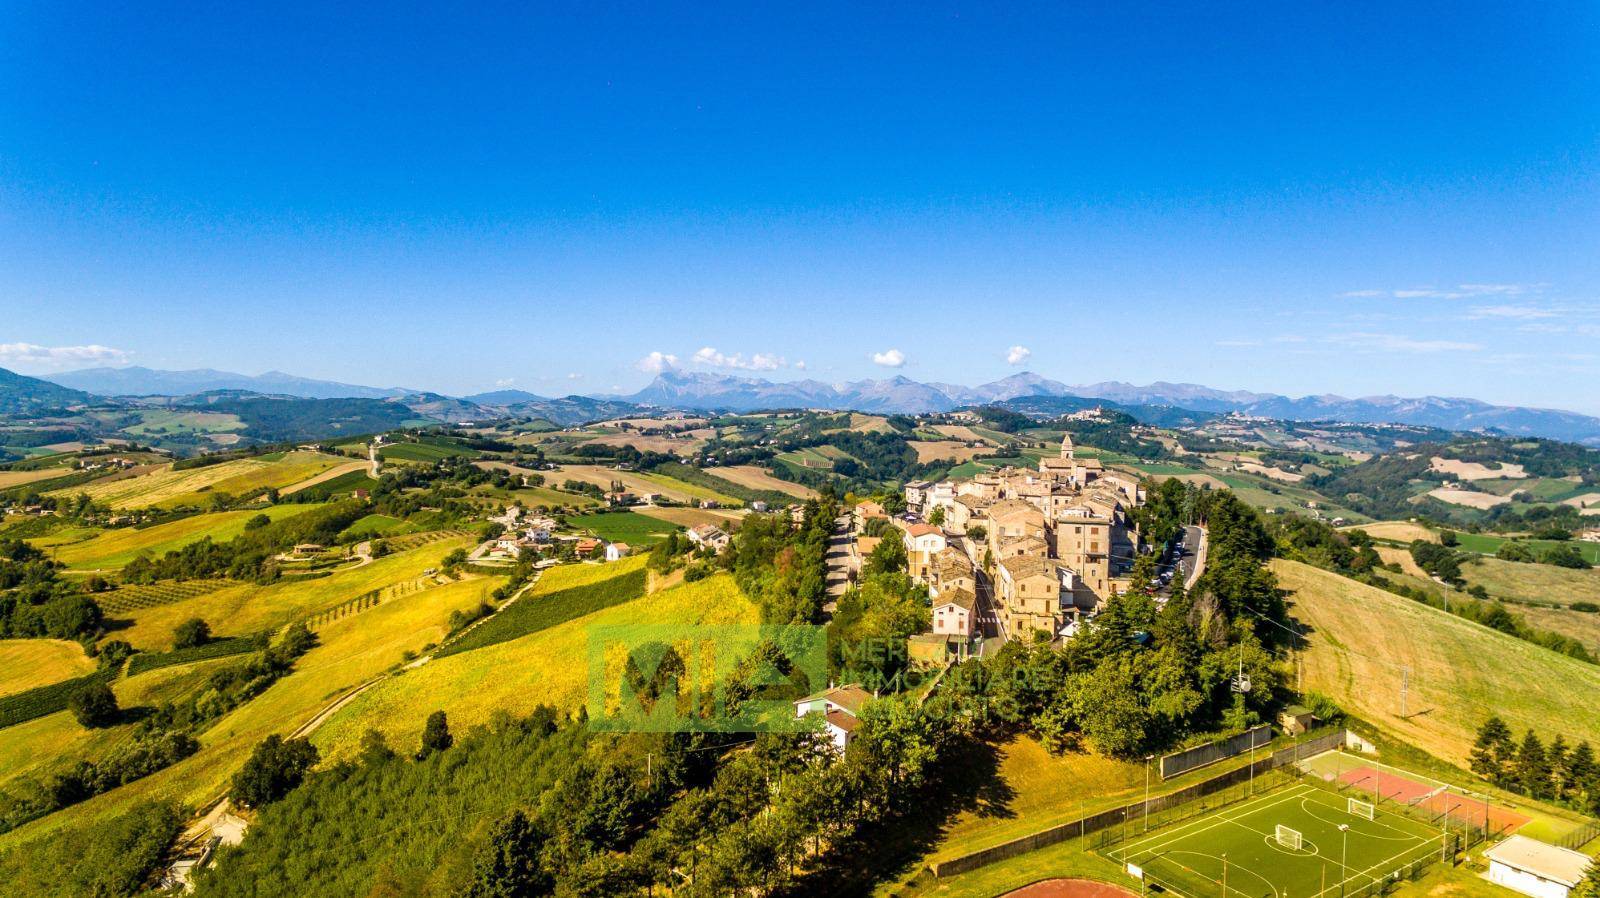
(840, 707)
(708, 536)
(1536, 868)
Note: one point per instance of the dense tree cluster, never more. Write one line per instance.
(1552, 771)
(36, 602)
(250, 555)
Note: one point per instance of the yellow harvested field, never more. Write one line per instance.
(10, 479)
(693, 517)
(332, 473)
(1400, 531)
(1468, 498)
(1586, 501)
(654, 423)
(115, 548)
(964, 433)
(546, 667)
(869, 423)
(351, 651)
(758, 478)
(637, 483)
(675, 445)
(947, 450)
(1362, 638)
(162, 486)
(1274, 473)
(28, 663)
(248, 608)
(1402, 557)
(1471, 470)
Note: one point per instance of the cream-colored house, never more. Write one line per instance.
(955, 613)
(1029, 589)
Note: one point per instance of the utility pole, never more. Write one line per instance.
(1405, 684)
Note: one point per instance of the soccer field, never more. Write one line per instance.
(1240, 846)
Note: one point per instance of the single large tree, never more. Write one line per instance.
(1533, 766)
(435, 735)
(191, 633)
(1490, 752)
(95, 705)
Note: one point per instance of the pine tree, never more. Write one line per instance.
(1489, 753)
(1532, 767)
(1560, 779)
(1581, 770)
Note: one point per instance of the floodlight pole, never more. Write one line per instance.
(1344, 848)
(1147, 760)
(1224, 875)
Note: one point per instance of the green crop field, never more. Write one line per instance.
(623, 526)
(1236, 850)
(1488, 544)
(550, 666)
(167, 421)
(114, 548)
(424, 452)
(377, 525)
(1363, 640)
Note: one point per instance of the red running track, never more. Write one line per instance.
(1070, 888)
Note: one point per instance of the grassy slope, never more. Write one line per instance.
(547, 667)
(115, 548)
(26, 663)
(247, 608)
(1361, 637)
(49, 743)
(352, 651)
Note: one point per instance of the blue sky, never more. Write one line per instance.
(1301, 198)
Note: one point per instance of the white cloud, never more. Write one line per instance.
(574, 376)
(1235, 344)
(1396, 343)
(1459, 291)
(1016, 355)
(800, 365)
(505, 382)
(1523, 313)
(657, 362)
(892, 358)
(758, 362)
(59, 358)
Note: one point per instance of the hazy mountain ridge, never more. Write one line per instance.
(23, 395)
(140, 381)
(901, 394)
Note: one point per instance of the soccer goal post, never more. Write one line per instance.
(1362, 809)
(1288, 838)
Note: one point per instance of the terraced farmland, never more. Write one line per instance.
(166, 488)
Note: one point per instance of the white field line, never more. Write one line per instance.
(1383, 864)
(1213, 821)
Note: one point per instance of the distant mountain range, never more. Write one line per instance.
(702, 391)
(693, 390)
(137, 381)
(23, 395)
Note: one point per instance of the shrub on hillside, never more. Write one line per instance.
(95, 705)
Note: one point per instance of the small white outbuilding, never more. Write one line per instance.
(1536, 868)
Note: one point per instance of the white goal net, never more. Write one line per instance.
(1288, 838)
(1362, 809)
